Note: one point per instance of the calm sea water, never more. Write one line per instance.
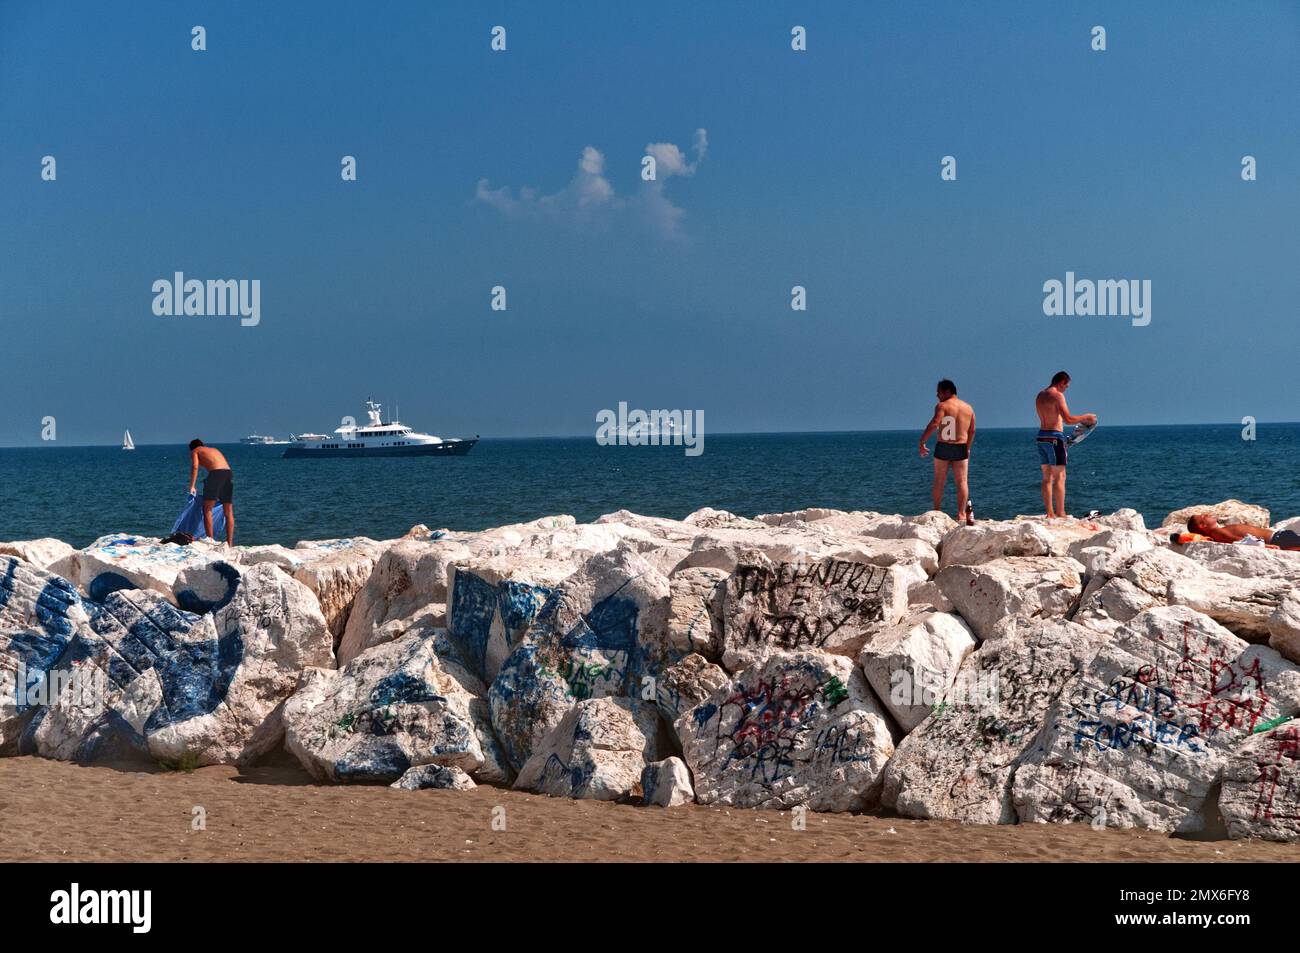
(80, 493)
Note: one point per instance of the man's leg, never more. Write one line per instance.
(940, 478)
(207, 516)
(959, 470)
(1047, 490)
(1058, 486)
(229, 510)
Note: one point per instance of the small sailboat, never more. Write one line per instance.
(127, 442)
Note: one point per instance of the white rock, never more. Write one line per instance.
(1028, 587)
(41, 553)
(1229, 511)
(709, 518)
(434, 776)
(597, 751)
(928, 594)
(687, 683)
(275, 554)
(1242, 605)
(667, 783)
(40, 614)
(912, 665)
(601, 634)
(137, 562)
(958, 763)
(408, 577)
(830, 605)
(1248, 562)
(1109, 603)
(1117, 544)
(179, 687)
(1284, 628)
(492, 602)
(972, 545)
(696, 599)
(1145, 733)
(1261, 786)
(336, 579)
(801, 728)
(391, 708)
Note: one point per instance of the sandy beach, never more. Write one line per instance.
(54, 811)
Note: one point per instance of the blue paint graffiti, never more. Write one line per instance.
(226, 585)
(475, 602)
(107, 583)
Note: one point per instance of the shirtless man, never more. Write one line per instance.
(218, 485)
(1053, 415)
(1203, 524)
(955, 421)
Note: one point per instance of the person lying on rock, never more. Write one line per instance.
(218, 485)
(1203, 524)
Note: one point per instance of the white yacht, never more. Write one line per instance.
(377, 439)
(257, 438)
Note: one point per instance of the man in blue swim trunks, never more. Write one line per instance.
(1053, 415)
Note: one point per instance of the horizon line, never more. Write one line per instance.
(726, 433)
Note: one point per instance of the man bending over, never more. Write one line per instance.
(218, 485)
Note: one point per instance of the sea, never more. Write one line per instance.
(78, 494)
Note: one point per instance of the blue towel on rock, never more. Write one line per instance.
(191, 519)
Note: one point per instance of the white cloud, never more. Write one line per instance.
(589, 198)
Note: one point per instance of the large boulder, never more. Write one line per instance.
(1229, 511)
(175, 686)
(598, 751)
(928, 527)
(958, 764)
(831, 605)
(1243, 606)
(983, 542)
(1284, 628)
(436, 777)
(601, 633)
(393, 707)
(491, 604)
(912, 665)
(1141, 738)
(695, 610)
(40, 553)
(667, 783)
(1261, 786)
(336, 579)
(40, 613)
(724, 547)
(1247, 562)
(686, 683)
(410, 577)
(1109, 603)
(136, 562)
(799, 728)
(1027, 587)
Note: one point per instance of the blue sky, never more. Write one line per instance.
(821, 169)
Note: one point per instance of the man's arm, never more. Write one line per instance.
(931, 427)
(970, 433)
(1070, 418)
(194, 469)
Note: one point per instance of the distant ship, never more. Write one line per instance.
(127, 442)
(256, 439)
(377, 439)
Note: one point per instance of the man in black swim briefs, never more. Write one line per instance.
(955, 422)
(218, 485)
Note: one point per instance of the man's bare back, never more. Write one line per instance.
(1051, 407)
(210, 458)
(954, 416)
